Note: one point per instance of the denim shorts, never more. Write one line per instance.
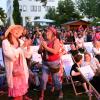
(55, 78)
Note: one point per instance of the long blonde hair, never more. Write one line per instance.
(9, 38)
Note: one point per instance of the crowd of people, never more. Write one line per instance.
(17, 42)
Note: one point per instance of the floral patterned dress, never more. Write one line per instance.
(19, 84)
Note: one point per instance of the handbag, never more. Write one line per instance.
(54, 69)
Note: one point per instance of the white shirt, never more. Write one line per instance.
(79, 42)
(96, 51)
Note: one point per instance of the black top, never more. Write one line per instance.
(73, 52)
(78, 77)
(89, 37)
(74, 68)
(96, 83)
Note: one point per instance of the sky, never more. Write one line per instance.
(3, 4)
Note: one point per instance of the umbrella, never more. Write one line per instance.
(44, 20)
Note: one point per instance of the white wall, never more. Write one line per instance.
(26, 4)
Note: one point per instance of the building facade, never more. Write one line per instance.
(30, 9)
(9, 11)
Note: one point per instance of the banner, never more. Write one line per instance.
(67, 63)
(87, 72)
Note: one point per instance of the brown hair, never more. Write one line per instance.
(86, 53)
(77, 58)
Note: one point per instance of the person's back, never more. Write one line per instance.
(89, 37)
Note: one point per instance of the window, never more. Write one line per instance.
(34, 8)
(39, 8)
(36, 17)
(20, 7)
(47, 8)
(24, 8)
(37, 0)
(51, 0)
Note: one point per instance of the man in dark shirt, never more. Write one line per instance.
(76, 75)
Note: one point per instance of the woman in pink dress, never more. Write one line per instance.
(15, 53)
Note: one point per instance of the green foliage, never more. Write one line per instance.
(98, 9)
(65, 7)
(65, 12)
(16, 13)
(51, 14)
(95, 22)
(2, 15)
(90, 8)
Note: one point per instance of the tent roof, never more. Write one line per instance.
(44, 20)
(71, 22)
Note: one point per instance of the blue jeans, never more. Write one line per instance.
(55, 77)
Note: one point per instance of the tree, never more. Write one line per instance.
(90, 8)
(51, 14)
(66, 9)
(64, 12)
(98, 9)
(2, 15)
(16, 13)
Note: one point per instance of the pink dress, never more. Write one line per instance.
(19, 84)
